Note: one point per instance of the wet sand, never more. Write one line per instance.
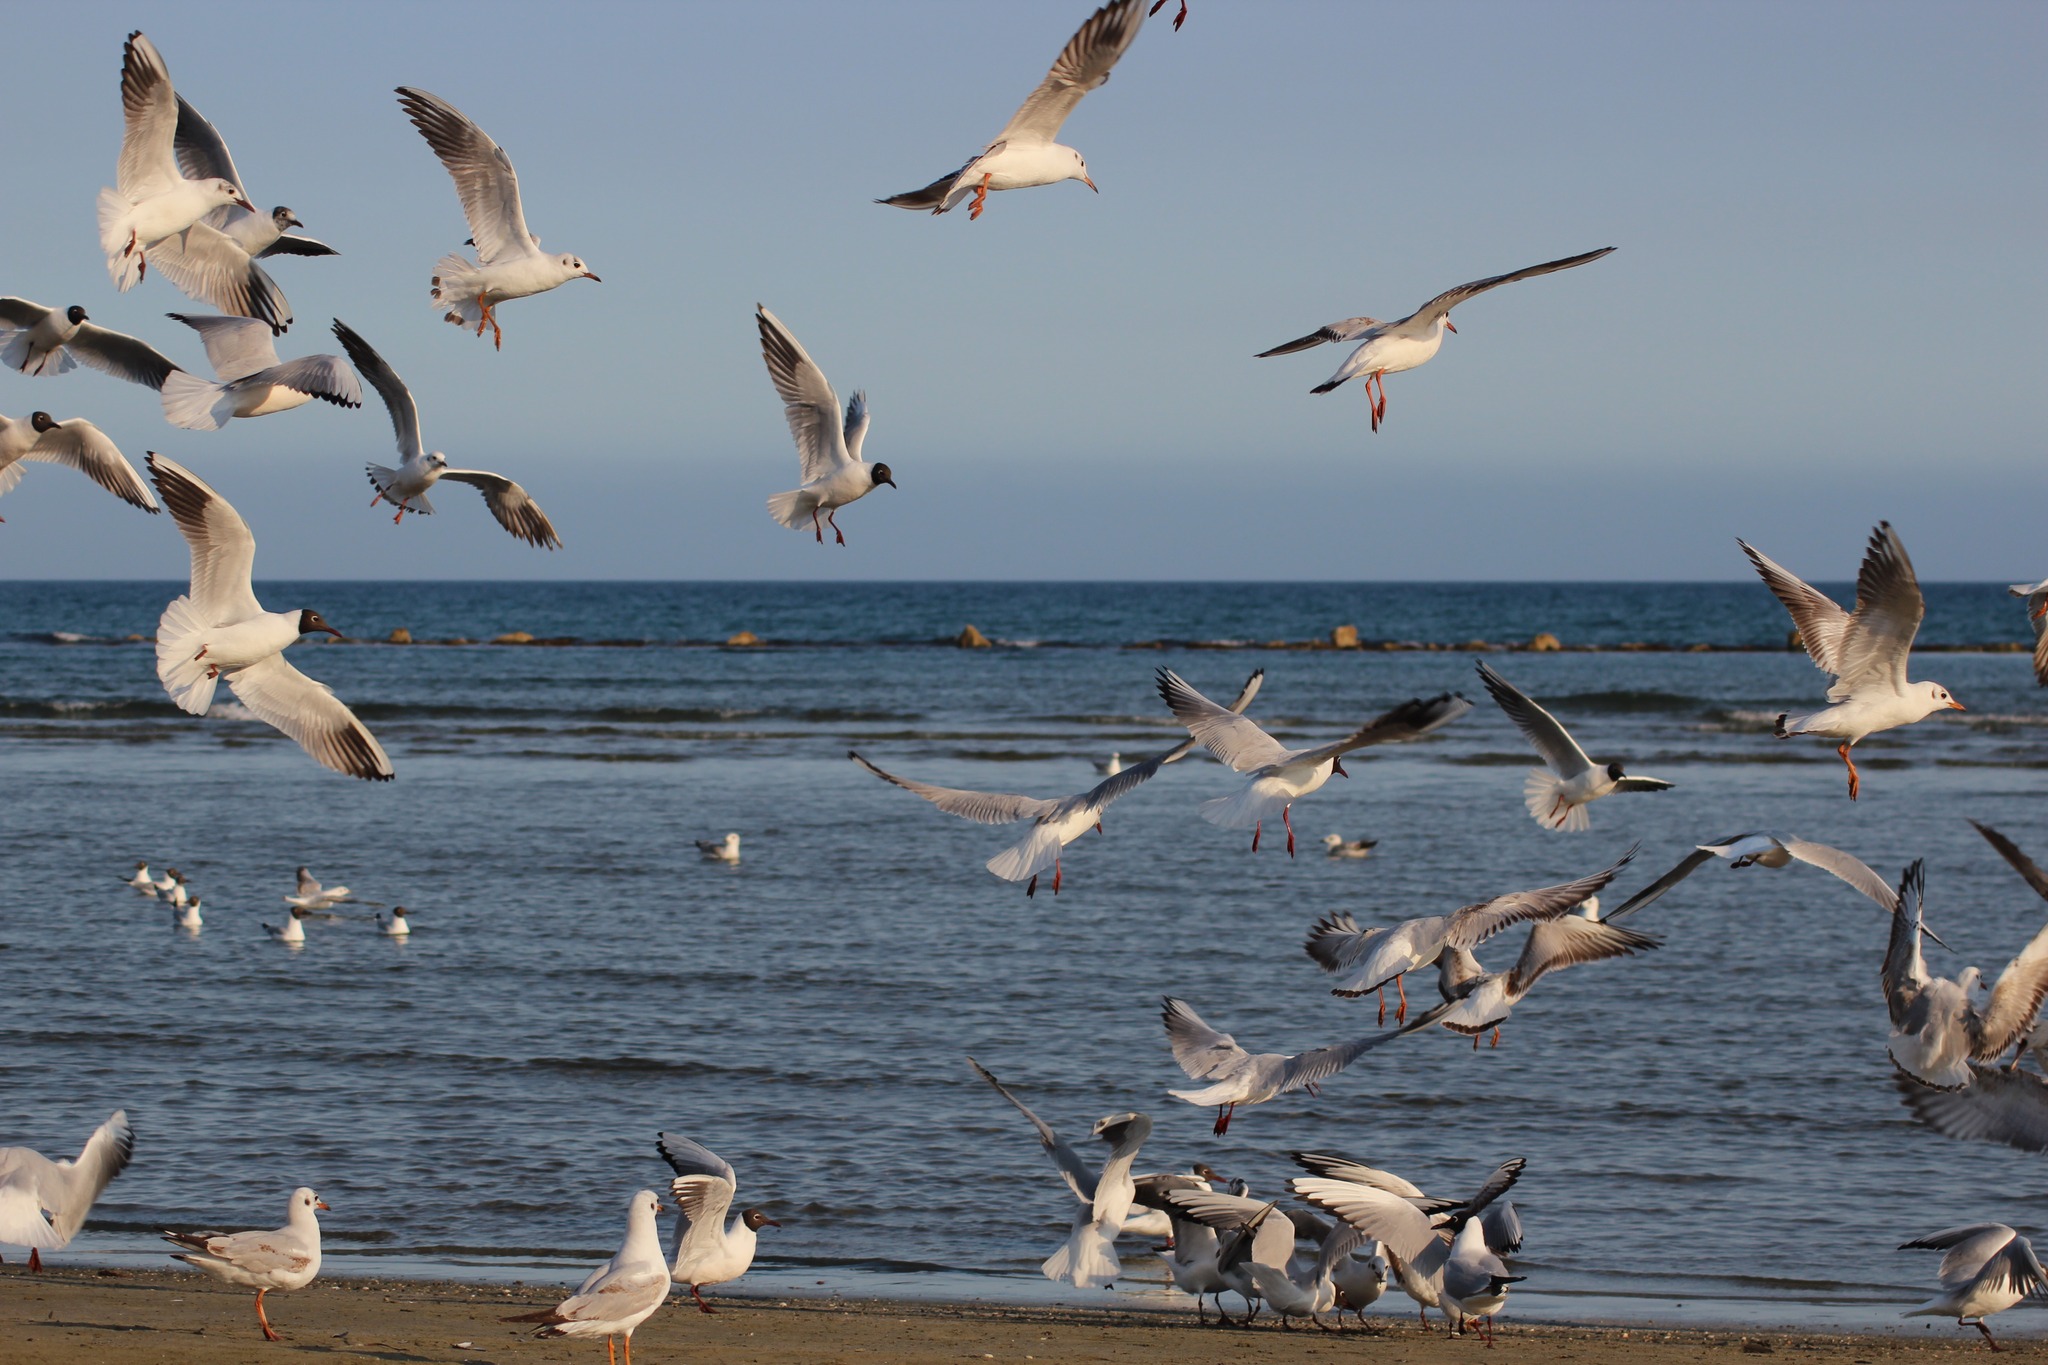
(167, 1318)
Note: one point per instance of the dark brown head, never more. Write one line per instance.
(75, 313)
(1207, 1172)
(42, 421)
(1614, 773)
(756, 1220)
(880, 475)
(309, 621)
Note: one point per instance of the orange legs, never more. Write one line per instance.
(1379, 403)
(1855, 783)
(980, 197)
(700, 1300)
(486, 318)
(837, 534)
(268, 1335)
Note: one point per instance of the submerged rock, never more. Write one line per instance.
(971, 638)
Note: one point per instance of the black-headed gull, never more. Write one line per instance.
(45, 341)
(406, 487)
(706, 1251)
(203, 152)
(1557, 795)
(1236, 1077)
(1937, 1027)
(1256, 1252)
(77, 444)
(828, 452)
(188, 916)
(1476, 1000)
(512, 264)
(1390, 347)
(286, 1258)
(1465, 1272)
(1340, 847)
(1280, 776)
(1024, 154)
(220, 631)
(1988, 1269)
(252, 381)
(726, 850)
(141, 880)
(293, 930)
(397, 926)
(43, 1203)
(153, 198)
(1866, 651)
(620, 1294)
(2036, 598)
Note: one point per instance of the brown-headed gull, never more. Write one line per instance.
(43, 1203)
(286, 1258)
(1024, 154)
(1476, 1000)
(512, 265)
(1988, 1269)
(707, 1252)
(2036, 598)
(1865, 651)
(1277, 775)
(1390, 347)
(399, 925)
(1557, 795)
(406, 487)
(828, 452)
(75, 443)
(152, 198)
(253, 382)
(620, 1294)
(1236, 1077)
(1937, 1027)
(45, 341)
(726, 850)
(220, 631)
(141, 880)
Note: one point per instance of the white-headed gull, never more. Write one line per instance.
(1937, 1027)
(828, 452)
(512, 264)
(1024, 154)
(1390, 347)
(1236, 1077)
(1280, 776)
(286, 1258)
(252, 381)
(77, 444)
(726, 850)
(1340, 847)
(43, 1203)
(1988, 1269)
(2036, 597)
(188, 916)
(1866, 651)
(406, 487)
(620, 1294)
(706, 1251)
(141, 880)
(1557, 795)
(1465, 1272)
(153, 199)
(397, 926)
(220, 631)
(1112, 765)
(45, 341)
(1476, 1000)
(313, 896)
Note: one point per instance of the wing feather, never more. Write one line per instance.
(1083, 65)
(512, 505)
(808, 402)
(85, 448)
(1537, 725)
(405, 414)
(1451, 298)
(986, 808)
(309, 712)
(483, 175)
(223, 550)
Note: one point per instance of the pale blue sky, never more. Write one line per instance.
(1831, 270)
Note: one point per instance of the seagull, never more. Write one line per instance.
(1178, 19)
(726, 850)
(313, 896)
(1471, 1276)
(1280, 776)
(513, 265)
(2036, 595)
(285, 1259)
(1476, 1000)
(398, 926)
(188, 916)
(202, 152)
(292, 931)
(620, 1294)
(1371, 959)
(154, 199)
(176, 895)
(1998, 1104)
(253, 382)
(1246, 1232)
(1340, 847)
(706, 1251)
(1988, 1269)
(828, 454)
(1865, 651)
(46, 341)
(406, 487)
(1757, 848)
(170, 879)
(219, 630)
(1237, 1077)
(142, 881)
(1937, 1028)
(1390, 347)
(1557, 795)
(1191, 1258)
(43, 1203)
(76, 443)
(1024, 154)
(1111, 766)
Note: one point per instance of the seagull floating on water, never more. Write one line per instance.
(1340, 847)
(398, 926)
(142, 881)
(188, 916)
(253, 382)
(77, 444)
(828, 453)
(620, 1294)
(43, 1203)
(292, 931)
(707, 1252)
(285, 1259)
(41, 341)
(726, 850)
(1557, 795)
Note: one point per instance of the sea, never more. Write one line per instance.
(1711, 1129)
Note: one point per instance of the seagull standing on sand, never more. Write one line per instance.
(76, 443)
(253, 382)
(1237, 1077)
(1937, 1027)
(1390, 347)
(40, 341)
(828, 452)
(1024, 154)
(513, 265)
(1866, 651)
(285, 1259)
(43, 1203)
(706, 1251)
(620, 1294)
(1464, 1272)
(1557, 795)
(219, 630)
(1988, 1269)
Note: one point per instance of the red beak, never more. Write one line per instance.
(1337, 767)
(1448, 326)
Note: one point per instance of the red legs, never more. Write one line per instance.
(700, 1300)
(980, 197)
(1475, 1042)
(1055, 874)
(268, 1335)
(1223, 1126)
(1383, 1001)
(379, 498)
(1255, 835)
(837, 534)
(819, 529)
(1494, 1043)
(35, 1262)
(1178, 20)
(1487, 1323)
(1854, 782)
(1290, 827)
(1313, 1092)
(1989, 1340)
(1379, 402)
(1557, 807)
(402, 510)
(485, 318)
(1401, 985)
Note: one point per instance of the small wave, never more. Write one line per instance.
(229, 710)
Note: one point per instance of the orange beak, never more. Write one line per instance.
(323, 1204)
(1957, 706)
(588, 276)
(1089, 183)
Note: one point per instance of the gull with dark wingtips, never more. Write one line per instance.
(1557, 794)
(253, 382)
(1237, 1077)
(77, 444)
(827, 449)
(45, 341)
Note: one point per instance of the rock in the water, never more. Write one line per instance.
(401, 636)
(1344, 637)
(516, 637)
(745, 637)
(1545, 643)
(971, 638)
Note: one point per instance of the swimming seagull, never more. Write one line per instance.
(1024, 154)
(292, 931)
(252, 381)
(1237, 1077)
(1937, 1027)
(620, 1294)
(1557, 795)
(706, 1251)
(188, 916)
(1389, 347)
(142, 881)
(726, 850)
(154, 199)
(828, 453)
(1988, 1269)
(398, 926)
(1340, 847)
(43, 1203)
(285, 1259)
(1280, 776)
(219, 630)
(1112, 765)
(513, 265)
(77, 444)
(406, 487)
(2036, 595)
(1866, 651)
(46, 341)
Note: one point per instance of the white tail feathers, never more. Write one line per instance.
(196, 404)
(455, 289)
(793, 509)
(1087, 1261)
(180, 635)
(1543, 793)
(17, 346)
(117, 239)
(1029, 856)
(383, 476)
(1244, 808)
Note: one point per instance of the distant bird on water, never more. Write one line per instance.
(1340, 847)
(827, 450)
(726, 850)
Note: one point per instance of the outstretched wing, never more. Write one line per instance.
(1410, 720)
(808, 402)
(1083, 65)
(1350, 329)
(308, 711)
(512, 505)
(1237, 741)
(87, 449)
(150, 122)
(1472, 925)
(2021, 863)
(483, 175)
(1201, 1051)
(1566, 942)
(236, 347)
(986, 808)
(1070, 1164)
(2014, 1003)
(1996, 1106)
(120, 355)
(223, 550)
(405, 414)
(1451, 298)
(1538, 726)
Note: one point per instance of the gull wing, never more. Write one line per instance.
(986, 808)
(1201, 1051)
(1472, 925)
(1970, 1249)
(326, 377)
(405, 414)
(512, 505)
(1904, 972)
(201, 152)
(289, 244)
(1497, 1184)
(1412, 719)
(120, 355)
(1538, 726)
(1996, 1106)
(483, 175)
(1443, 303)
(16, 312)
(150, 121)
(106, 1154)
(2036, 596)
(1846, 866)
(236, 347)
(223, 550)
(808, 402)
(208, 265)
(1083, 65)
(1655, 890)
(1307, 1068)
(701, 1205)
(855, 433)
(686, 1157)
(308, 711)
(1357, 1172)
(1643, 784)
(87, 449)
(1869, 646)
(1380, 1214)
(2009, 1013)
(1337, 944)
(2021, 863)
(1073, 1168)
(256, 1252)
(1555, 944)
(1237, 741)
(1350, 329)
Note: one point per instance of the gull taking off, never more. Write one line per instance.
(45, 341)
(706, 1251)
(313, 896)
(1476, 1000)
(77, 444)
(43, 1203)
(1024, 154)
(1236, 1076)
(828, 453)
(1937, 1028)
(1557, 795)
(620, 1294)
(1988, 1269)
(285, 1259)
(1866, 651)
(253, 382)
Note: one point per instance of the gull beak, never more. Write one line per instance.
(335, 633)
(1448, 326)
(588, 276)
(1337, 767)
(770, 1222)
(246, 204)
(1957, 706)
(323, 1204)
(1090, 184)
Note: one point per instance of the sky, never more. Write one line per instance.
(1825, 308)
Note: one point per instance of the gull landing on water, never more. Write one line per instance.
(1557, 795)
(828, 452)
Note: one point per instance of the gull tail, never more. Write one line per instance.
(1242, 809)
(1543, 795)
(1087, 1261)
(196, 404)
(180, 635)
(124, 261)
(457, 282)
(17, 352)
(793, 509)
(381, 479)
(1036, 852)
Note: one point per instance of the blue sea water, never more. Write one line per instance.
(1711, 1128)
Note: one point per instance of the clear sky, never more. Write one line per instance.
(1826, 307)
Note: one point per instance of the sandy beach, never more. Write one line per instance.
(119, 1317)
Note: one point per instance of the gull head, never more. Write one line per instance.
(228, 192)
(879, 474)
(75, 313)
(284, 218)
(1614, 772)
(1079, 170)
(434, 459)
(306, 1199)
(574, 265)
(310, 621)
(42, 421)
(1938, 699)
(756, 1220)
